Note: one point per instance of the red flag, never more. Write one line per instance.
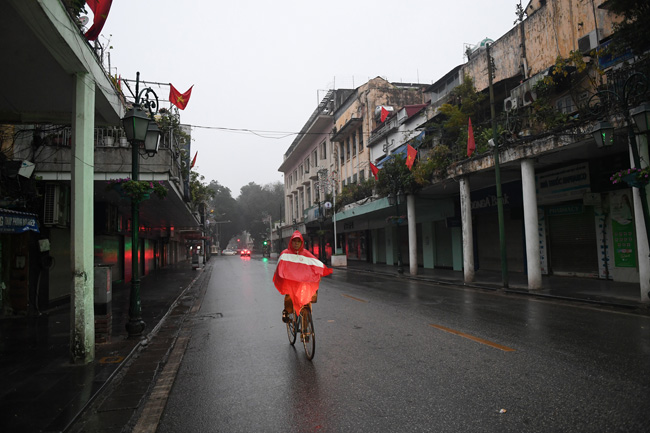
(179, 99)
(384, 113)
(100, 10)
(374, 170)
(411, 153)
(471, 145)
(194, 160)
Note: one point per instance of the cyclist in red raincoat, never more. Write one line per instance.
(297, 275)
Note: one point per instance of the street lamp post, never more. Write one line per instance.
(141, 130)
(395, 198)
(634, 87)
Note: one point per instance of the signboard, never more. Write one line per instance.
(623, 230)
(17, 222)
(563, 184)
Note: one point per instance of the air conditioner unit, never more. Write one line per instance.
(510, 104)
(56, 209)
(589, 41)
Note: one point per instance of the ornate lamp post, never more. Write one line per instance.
(395, 199)
(618, 101)
(141, 131)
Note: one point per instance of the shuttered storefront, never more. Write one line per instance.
(572, 239)
(489, 244)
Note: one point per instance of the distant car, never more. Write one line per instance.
(228, 252)
(245, 252)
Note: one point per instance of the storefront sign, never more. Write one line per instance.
(567, 183)
(17, 222)
(623, 230)
(485, 200)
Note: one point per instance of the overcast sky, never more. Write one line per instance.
(263, 66)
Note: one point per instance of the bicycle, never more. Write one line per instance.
(304, 325)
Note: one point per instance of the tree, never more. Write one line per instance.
(632, 31)
(224, 208)
(199, 191)
(255, 204)
(395, 176)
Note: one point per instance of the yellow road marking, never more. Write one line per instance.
(352, 297)
(471, 337)
(111, 360)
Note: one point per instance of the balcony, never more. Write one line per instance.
(49, 148)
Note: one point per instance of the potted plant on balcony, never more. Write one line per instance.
(632, 176)
(137, 190)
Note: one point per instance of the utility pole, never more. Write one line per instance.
(497, 174)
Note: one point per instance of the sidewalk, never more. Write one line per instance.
(588, 290)
(41, 389)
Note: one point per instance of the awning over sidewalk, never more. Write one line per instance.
(12, 221)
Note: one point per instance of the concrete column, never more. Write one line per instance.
(82, 331)
(413, 234)
(643, 250)
(468, 237)
(531, 225)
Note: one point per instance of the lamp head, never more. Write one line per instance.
(152, 139)
(603, 133)
(135, 123)
(641, 116)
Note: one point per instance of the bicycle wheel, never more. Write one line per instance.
(292, 328)
(308, 336)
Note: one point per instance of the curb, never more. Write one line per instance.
(635, 307)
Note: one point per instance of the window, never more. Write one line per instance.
(300, 170)
(347, 153)
(323, 150)
(314, 157)
(362, 175)
(360, 139)
(354, 178)
(309, 201)
(342, 155)
(354, 144)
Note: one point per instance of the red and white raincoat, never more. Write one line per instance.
(298, 274)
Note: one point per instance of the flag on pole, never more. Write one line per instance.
(411, 153)
(471, 145)
(194, 160)
(100, 10)
(179, 99)
(384, 113)
(374, 170)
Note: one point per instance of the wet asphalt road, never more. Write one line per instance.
(394, 355)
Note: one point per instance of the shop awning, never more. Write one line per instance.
(12, 221)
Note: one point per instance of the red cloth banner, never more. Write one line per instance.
(471, 145)
(384, 113)
(411, 153)
(374, 170)
(100, 10)
(194, 160)
(179, 99)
